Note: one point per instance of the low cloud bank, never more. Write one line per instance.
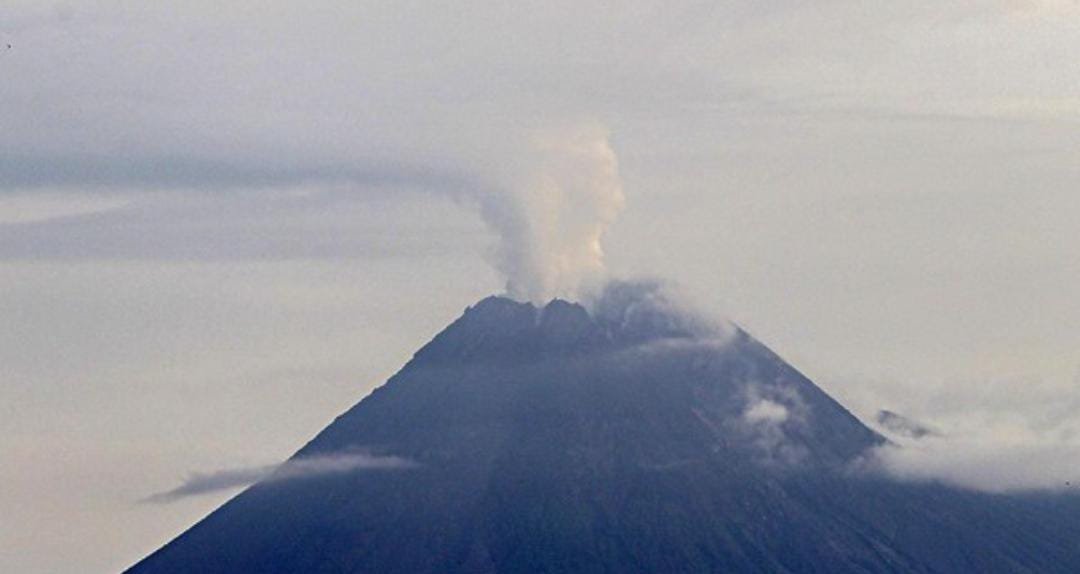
(297, 469)
(983, 463)
(1001, 435)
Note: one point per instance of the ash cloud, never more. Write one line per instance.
(297, 469)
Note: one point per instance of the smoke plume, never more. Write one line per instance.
(553, 216)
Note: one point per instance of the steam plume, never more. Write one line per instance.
(552, 220)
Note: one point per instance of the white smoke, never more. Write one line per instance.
(551, 220)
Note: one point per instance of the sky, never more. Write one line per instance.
(222, 225)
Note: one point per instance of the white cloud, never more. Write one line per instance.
(767, 416)
(766, 412)
(993, 462)
(994, 434)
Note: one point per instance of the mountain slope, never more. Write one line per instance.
(630, 440)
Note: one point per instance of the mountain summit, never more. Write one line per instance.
(625, 438)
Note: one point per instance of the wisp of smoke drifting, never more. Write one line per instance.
(552, 219)
(204, 483)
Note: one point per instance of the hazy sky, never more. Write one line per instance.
(222, 226)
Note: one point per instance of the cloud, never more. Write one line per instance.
(651, 307)
(1000, 434)
(549, 203)
(294, 469)
(507, 121)
(158, 172)
(983, 463)
(766, 412)
(767, 417)
(22, 208)
(205, 483)
(315, 222)
(900, 425)
(547, 184)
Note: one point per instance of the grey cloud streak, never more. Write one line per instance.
(157, 172)
(296, 469)
(243, 225)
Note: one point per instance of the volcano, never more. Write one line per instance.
(624, 438)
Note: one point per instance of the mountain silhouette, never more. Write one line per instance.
(625, 438)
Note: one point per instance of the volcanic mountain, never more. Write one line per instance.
(624, 438)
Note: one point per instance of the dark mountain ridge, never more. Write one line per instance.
(629, 439)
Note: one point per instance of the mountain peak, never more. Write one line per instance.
(561, 438)
(501, 330)
(495, 305)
